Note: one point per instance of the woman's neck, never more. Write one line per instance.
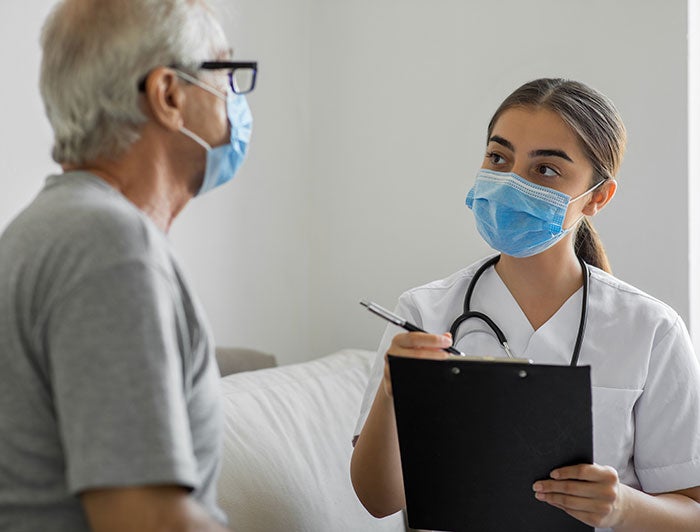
(541, 284)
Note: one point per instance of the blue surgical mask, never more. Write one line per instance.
(517, 217)
(223, 161)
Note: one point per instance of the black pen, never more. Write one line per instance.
(398, 320)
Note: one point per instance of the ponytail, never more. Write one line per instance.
(589, 247)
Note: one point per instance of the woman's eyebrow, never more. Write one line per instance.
(551, 153)
(534, 153)
(503, 142)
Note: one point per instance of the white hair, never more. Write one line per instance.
(95, 54)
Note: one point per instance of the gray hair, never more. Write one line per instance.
(95, 53)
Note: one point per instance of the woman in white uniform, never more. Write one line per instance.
(553, 150)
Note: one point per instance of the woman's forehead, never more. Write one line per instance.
(535, 128)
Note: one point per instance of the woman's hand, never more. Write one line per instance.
(415, 345)
(375, 468)
(589, 492)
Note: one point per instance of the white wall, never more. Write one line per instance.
(370, 118)
(25, 134)
(694, 164)
(246, 245)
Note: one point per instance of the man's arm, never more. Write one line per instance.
(146, 509)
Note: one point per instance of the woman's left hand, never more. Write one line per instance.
(589, 492)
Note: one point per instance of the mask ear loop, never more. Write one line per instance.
(587, 191)
(201, 84)
(199, 140)
(579, 197)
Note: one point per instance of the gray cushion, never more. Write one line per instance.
(239, 359)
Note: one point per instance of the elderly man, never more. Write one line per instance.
(109, 408)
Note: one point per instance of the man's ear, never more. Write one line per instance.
(600, 197)
(165, 97)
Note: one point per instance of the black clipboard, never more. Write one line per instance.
(474, 436)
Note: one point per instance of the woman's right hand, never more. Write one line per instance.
(415, 345)
(376, 464)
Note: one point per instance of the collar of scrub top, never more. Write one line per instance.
(468, 313)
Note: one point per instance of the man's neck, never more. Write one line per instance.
(146, 179)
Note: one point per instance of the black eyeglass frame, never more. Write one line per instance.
(232, 66)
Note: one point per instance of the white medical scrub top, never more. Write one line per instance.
(644, 373)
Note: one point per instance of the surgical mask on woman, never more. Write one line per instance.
(517, 217)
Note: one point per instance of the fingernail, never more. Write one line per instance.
(554, 474)
(537, 486)
(539, 496)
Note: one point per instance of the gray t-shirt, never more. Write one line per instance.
(107, 376)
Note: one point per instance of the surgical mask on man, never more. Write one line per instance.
(223, 161)
(517, 217)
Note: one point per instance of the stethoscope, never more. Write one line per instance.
(468, 313)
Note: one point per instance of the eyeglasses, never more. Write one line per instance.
(241, 74)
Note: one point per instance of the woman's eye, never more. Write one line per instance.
(546, 171)
(495, 158)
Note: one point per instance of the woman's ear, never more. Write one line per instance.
(600, 197)
(165, 97)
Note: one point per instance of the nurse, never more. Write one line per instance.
(553, 150)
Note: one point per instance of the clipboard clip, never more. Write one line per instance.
(522, 373)
(473, 358)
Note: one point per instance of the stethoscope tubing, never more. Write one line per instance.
(468, 313)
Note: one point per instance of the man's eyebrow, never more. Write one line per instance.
(503, 142)
(551, 153)
(225, 54)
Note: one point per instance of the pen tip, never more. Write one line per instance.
(364, 303)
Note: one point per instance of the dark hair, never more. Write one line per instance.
(598, 125)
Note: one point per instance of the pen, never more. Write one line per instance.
(398, 320)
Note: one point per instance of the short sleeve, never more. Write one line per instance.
(667, 415)
(115, 348)
(406, 309)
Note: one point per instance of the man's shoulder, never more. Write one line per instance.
(89, 206)
(78, 227)
(79, 213)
